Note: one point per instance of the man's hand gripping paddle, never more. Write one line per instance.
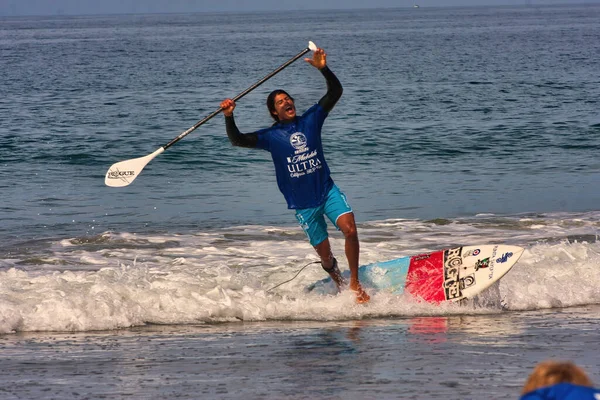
(124, 172)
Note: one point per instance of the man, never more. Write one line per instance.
(302, 172)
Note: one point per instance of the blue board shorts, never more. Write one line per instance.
(312, 220)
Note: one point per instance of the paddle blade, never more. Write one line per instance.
(124, 172)
(312, 46)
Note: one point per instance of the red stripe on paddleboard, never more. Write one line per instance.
(425, 278)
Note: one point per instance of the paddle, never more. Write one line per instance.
(124, 172)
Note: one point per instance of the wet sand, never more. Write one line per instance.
(453, 357)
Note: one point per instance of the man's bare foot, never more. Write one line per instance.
(361, 295)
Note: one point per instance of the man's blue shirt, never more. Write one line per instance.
(302, 172)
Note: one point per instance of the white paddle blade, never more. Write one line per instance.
(124, 172)
(312, 46)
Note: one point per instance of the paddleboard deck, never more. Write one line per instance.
(444, 275)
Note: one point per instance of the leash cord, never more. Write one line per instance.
(298, 273)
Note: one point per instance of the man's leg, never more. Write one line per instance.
(313, 223)
(329, 263)
(347, 225)
(324, 251)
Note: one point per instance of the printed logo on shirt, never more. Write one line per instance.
(298, 141)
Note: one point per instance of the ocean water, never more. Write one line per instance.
(457, 126)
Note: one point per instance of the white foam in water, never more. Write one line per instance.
(554, 275)
(122, 280)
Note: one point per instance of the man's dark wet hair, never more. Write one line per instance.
(271, 102)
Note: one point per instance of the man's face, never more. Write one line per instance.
(285, 109)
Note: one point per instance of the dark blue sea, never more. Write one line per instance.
(457, 126)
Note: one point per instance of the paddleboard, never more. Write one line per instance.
(444, 275)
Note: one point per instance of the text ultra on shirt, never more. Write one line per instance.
(302, 173)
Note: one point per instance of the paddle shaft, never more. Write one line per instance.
(236, 98)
